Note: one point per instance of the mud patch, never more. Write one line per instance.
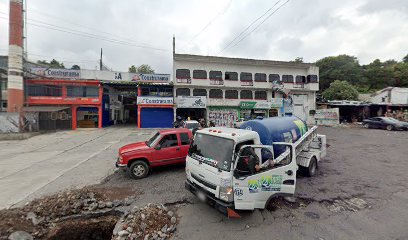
(281, 203)
(340, 205)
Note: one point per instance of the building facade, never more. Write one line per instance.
(224, 90)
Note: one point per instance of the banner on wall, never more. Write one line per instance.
(191, 102)
(223, 117)
(255, 105)
(276, 102)
(163, 78)
(56, 73)
(328, 116)
(155, 100)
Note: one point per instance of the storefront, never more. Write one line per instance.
(77, 103)
(193, 107)
(155, 112)
(223, 116)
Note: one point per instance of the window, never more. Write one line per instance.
(153, 92)
(183, 92)
(260, 77)
(287, 78)
(246, 94)
(165, 92)
(260, 95)
(217, 75)
(232, 76)
(231, 94)
(4, 104)
(312, 78)
(44, 90)
(3, 85)
(200, 74)
(300, 79)
(274, 78)
(170, 140)
(74, 91)
(185, 139)
(183, 73)
(215, 93)
(145, 91)
(200, 92)
(245, 76)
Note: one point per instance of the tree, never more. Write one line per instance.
(400, 74)
(53, 64)
(298, 60)
(340, 90)
(76, 67)
(144, 68)
(342, 67)
(405, 59)
(377, 75)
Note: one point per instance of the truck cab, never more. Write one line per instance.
(215, 172)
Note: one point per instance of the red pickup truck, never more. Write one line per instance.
(164, 148)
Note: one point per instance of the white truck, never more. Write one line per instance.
(216, 156)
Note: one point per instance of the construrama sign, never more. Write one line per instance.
(155, 100)
(56, 73)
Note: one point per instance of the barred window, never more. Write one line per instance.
(217, 75)
(261, 95)
(200, 92)
(312, 78)
(182, 73)
(183, 92)
(274, 78)
(245, 76)
(232, 76)
(246, 94)
(231, 94)
(300, 79)
(260, 77)
(200, 74)
(215, 93)
(44, 90)
(287, 78)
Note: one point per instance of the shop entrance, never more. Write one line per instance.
(193, 113)
(87, 117)
(120, 103)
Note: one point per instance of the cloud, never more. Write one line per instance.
(366, 29)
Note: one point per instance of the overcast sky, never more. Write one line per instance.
(367, 29)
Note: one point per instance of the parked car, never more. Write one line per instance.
(191, 125)
(166, 147)
(388, 123)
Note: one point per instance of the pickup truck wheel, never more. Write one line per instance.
(138, 170)
(311, 170)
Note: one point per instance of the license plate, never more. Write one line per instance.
(201, 196)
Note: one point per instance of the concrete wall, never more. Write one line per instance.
(9, 122)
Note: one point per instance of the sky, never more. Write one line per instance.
(134, 32)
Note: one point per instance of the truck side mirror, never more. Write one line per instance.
(158, 147)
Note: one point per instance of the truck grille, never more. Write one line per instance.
(205, 183)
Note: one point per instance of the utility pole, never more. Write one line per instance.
(100, 62)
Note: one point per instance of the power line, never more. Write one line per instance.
(248, 27)
(208, 24)
(260, 23)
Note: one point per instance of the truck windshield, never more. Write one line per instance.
(212, 150)
(151, 140)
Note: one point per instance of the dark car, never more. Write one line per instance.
(388, 123)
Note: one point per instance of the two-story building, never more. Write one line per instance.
(223, 90)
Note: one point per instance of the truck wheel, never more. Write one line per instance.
(311, 170)
(138, 169)
(390, 127)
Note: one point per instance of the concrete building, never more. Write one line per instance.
(391, 95)
(223, 90)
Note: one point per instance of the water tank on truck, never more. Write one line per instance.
(277, 129)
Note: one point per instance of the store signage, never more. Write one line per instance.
(151, 77)
(247, 83)
(56, 73)
(327, 116)
(191, 102)
(255, 105)
(277, 102)
(216, 82)
(183, 80)
(155, 100)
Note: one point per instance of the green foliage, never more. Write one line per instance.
(400, 74)
(405, 59)
(377, 75)
(342, 67)
(144, 68)
(298, 60)
(53, 64)
(76, 67)
(340, 90)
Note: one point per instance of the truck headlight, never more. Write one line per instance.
(226, 194)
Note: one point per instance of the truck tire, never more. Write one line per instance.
(138, 169)
(311, 170)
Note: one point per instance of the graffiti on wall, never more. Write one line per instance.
(223, 117)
